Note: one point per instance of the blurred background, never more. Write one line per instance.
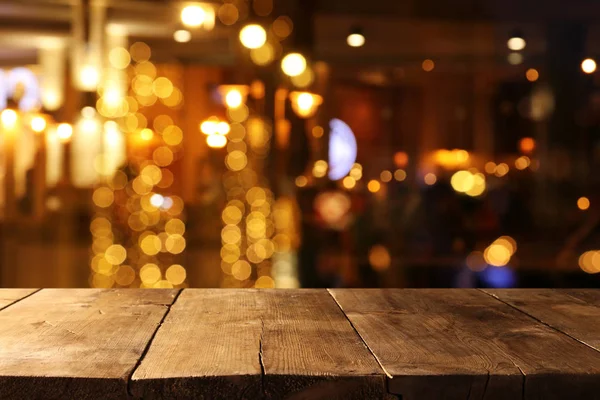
(299, 143)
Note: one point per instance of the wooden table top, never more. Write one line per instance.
(411, 344)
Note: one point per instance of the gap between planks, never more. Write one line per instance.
(143, 355)
(360, 336)
(539, 320)
(21, 299)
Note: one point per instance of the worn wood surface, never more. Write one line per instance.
(10, 296)
(575, 312)
(300, 344)
(76, 343)
(257, 343)
(460, 344)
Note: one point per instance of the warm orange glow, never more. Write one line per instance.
(234, 96)
(253, 36)
(9, 118)
(527, 145)
(64, 132)
(38, 124)
(216, 141)
(301, 181)
(532, 75)
(428, 65)
(430, 179)
(293, 64)
(373, 186)
(305, 104)
(401, 159)
(583, 203)
(588, 66)
(349, 182)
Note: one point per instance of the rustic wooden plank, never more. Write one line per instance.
(249, 343)
(76, 343)
(571, 311)
(310, 350)
(208, 347)
(10, 296)
(458, 344)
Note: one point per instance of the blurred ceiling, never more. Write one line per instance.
(397, 31)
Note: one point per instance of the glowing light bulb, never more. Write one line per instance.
(223, 128)
(9, 118)
(233, 98)
(146, 134)
(588, 66)
(293, 64)
(208, 127)
(182, 36)
(64, 132)
(89, 76)
(216, 141)
(516, 43)
(193, 15)
(253, 36)
(38, 124)
(355, 37)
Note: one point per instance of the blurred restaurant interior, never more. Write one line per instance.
(299, 143)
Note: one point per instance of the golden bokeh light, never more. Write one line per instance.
(583, 203)
(501, 170)
(428, 65)
(349, 182)
(193, 15)
(379, 258)
(522, 163)
(38, 124)
(241, 270)
(588, 66)
(103, 197)
(125, 275)
(253, 36)
(176, 274)
(282, 27)
(263, 55)
(162, 156)
(293, 64)
(115, 254)
(228, 14)
(119, 57)
(140, 52)
(430, 179)
(400, 175)
(320, 168)
(527, 145)
(589, 262)
(150, 273)
(385, 176)
(532, 75)
(373, 186)
(301, 181)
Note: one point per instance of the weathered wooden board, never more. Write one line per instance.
(564, 309)
(254, 344)
(76, 343)
(9, 296)
(459, 344)
(310, 350)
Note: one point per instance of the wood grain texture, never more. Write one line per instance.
(576, 312)
(310, 350)
(9, 296)
(257, 344)
(459, 344)
(76, 343)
